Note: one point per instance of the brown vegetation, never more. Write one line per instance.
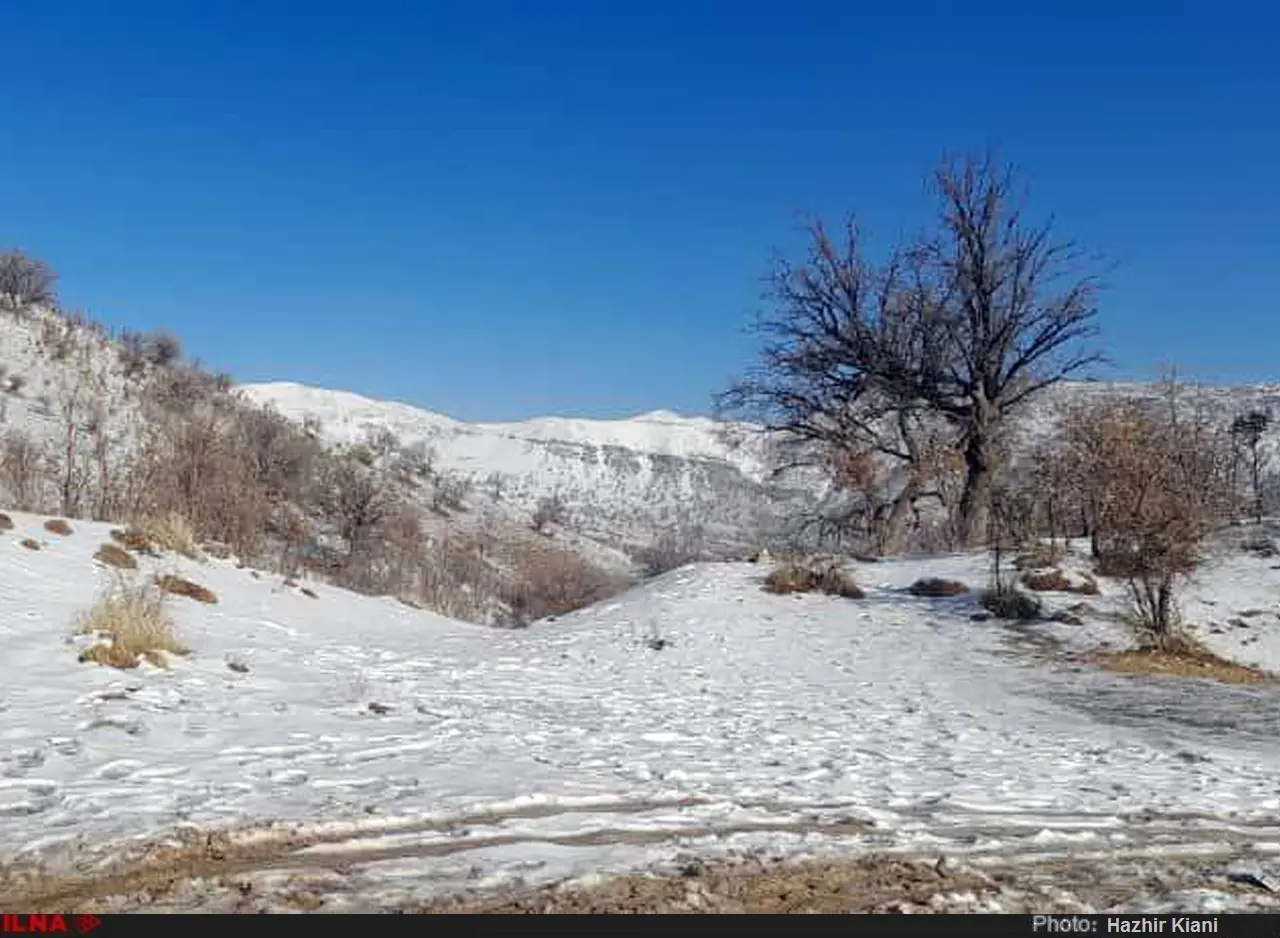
(168, 583)
(58, 526)
(133, 624)
(935, 586)
(30, 543)
(112, 555)
(6, 523)
(1154, 483)
(135, 540)
(812, 577)
(1182, 658)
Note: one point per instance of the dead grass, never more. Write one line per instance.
(1055, 581)
(112, 555)
(30, 543)
(176, 585)
(1180, 656)
(796, 577)
(134, 625)
(171, 531)
(134, 539)
(58, 526)
(6, 523)
(216, 550)
(937, 587)
(1039, 556)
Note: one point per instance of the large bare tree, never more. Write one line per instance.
(959, 326)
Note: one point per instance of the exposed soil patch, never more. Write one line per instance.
(1180, 663)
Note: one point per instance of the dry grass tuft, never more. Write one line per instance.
(936, 587)
(1047, 581)
(176, 585)
(30, 543)
(171, 531)
(6, 523)
(216, 550)
(57, 526)
(1180, 656)
(112, 555)
(135, 625)
(135, 540)
(809, 578)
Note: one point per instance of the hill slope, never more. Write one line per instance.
(331, 744)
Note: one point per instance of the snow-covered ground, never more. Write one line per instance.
(408, 754)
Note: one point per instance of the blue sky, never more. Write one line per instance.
(502, 210)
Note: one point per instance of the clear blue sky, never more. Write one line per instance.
(497, 210)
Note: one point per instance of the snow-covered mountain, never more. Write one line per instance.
(626, 481)
(623, 481)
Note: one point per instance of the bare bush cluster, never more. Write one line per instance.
(25, 282)
(1153, 480)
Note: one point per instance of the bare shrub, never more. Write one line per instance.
(170, 531)
(673, 549)
(812, 576)
(134, 623)
(112, 555)
(553, 582)
(448, 490)
(1156, 482)
(30, 543)
(161, 348)
(549, 510)
(25, 282)
(58, 526)
(6, 523)
(178, 586)
(25, 471)
(937, 587)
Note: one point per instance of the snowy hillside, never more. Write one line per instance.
(620, 479)
(375, 755)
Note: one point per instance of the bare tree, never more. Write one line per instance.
(1246, 432)
(959, 326)
(549, 510)
(25, 282)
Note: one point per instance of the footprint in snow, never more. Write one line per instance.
(120, 768)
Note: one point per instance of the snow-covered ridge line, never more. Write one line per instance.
(659, 432)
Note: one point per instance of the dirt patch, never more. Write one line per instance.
(1180, 662)
(868, 885)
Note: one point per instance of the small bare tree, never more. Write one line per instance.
(25, 282)
(549, 510)
(1246, 432)
(1156, 483)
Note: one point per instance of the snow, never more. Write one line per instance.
(799, 724)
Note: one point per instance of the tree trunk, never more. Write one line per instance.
(975, 502)
(891, 537)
